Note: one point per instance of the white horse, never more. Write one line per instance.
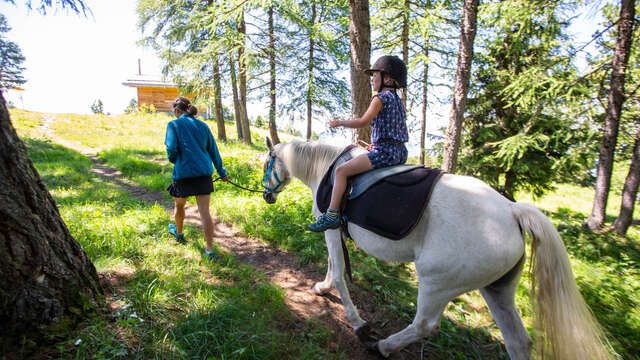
(469, 237)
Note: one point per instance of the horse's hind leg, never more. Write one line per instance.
(500, 298)
(426, 323)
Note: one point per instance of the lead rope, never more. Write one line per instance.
(344, 230)
(240, 186)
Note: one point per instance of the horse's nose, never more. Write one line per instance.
(269, 197)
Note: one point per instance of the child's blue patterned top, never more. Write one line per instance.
(390, 123)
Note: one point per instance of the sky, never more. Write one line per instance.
(73, 60)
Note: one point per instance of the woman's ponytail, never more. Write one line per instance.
(185, 105)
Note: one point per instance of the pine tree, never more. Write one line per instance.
(615, 101)
(46, 280)
(11, 59)
(360, 36)
(463, 72)
(312, 81)
(517, 131)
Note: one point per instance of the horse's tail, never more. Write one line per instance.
(568, 328)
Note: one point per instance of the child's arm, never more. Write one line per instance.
(365, 120)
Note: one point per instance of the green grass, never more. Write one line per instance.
(201, 310)
(171, 303)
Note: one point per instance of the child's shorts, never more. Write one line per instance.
(182, 188)
(387, 153)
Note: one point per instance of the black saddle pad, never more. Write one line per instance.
(391, 207)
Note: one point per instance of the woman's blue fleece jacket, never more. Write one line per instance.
(192, 148)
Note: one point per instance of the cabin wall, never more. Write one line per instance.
(160, 97)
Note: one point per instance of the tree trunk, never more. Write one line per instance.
(310, 70)
(273, 131)
(630, 190)
(405, 45)
(217, 94)
(509, 185)
(612, 118)
(242, 69)
(360, 35)
(423, 127)
(46, 278)
(236, 102)
(459, 101)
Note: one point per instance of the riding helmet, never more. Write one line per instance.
(393, 66)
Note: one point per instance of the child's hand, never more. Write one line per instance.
(334, 123)
(225, 179)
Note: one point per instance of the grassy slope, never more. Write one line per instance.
(180, 297)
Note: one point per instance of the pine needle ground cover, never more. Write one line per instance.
(184, 308)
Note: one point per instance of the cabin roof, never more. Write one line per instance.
(149, 81)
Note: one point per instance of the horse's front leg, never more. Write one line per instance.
(323, 287)
(335, 275)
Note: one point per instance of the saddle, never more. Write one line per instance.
(387, 201)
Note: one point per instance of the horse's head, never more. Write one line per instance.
(275, 176)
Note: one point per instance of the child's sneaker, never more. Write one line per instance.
(325, 221)
(173, 230)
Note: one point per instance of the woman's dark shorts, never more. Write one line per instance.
(387, 153)
(202, 185)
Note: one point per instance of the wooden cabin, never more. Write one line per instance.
(154, 90)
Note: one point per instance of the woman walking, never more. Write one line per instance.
(192, 149)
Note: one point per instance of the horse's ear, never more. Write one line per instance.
(269, 144)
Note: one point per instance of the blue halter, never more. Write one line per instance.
(265, 181)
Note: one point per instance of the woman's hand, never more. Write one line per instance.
(334, 123)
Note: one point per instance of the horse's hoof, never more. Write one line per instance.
(316, 290)
(372, 348)
(364, 333)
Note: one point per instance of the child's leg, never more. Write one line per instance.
(207, 222)
(357, 165)
(178, 212)
(330, 220)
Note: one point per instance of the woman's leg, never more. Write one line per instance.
(178, 212)
(357, 165)
(207, 222)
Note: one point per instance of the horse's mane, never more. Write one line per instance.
(307, 160)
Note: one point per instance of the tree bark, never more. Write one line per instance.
(310, 70)
(423, 125)
(360, 36)
(242, 70)
(217, 94)
(46, 278)
(629, 190)
(237, 112)
(405, 45)
(509, 184)
(273, 131)
(461, 87)
(612, 118)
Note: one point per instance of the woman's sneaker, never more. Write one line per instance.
(209, 256)
(173, 230)
(325, 221)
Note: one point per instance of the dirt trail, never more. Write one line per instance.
(280, 267)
